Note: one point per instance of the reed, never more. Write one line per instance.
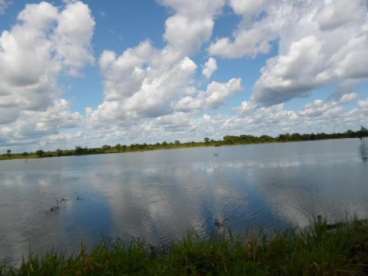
(323, 249)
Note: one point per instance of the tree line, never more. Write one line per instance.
(227, 140)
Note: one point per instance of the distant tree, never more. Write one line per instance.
(266, 138)
(206, 140)
(25, 153)
(79, 150)
(106, 148)
(8, 152)
(40, 153)
(177, 142)
(230, 139)
(59, 152)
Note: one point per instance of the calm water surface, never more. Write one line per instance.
(159, 196)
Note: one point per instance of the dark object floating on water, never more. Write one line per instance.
(58, 203)
(216, 154)
(55, 208)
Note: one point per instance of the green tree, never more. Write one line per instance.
(206, 140)
(79, 150)
(8, 152)
(40, 153)
(106, 148)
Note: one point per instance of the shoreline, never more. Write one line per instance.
(149, 148)
(322, 249)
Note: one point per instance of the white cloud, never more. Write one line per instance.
(33, 54)
(318, 116)
(293, 74)
(27, 73)
(73, 36)
(319, 42)
(192, 24)
(218, 92)
(329, 115)
(250, 7)
(336, 13)
(213, 97)
(145, 82)
(33, 126)
(253, 36)
(347, 98)
(142, 82)
(209, 68)
(153, 94)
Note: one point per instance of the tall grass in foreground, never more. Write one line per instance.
(320, 250)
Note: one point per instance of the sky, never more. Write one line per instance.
(90, 73)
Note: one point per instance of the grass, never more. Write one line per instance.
(320, 250)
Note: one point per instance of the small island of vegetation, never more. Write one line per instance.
(207, 142)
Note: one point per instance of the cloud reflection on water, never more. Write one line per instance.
(159, 196)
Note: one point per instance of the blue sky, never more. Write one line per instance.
(104, 72)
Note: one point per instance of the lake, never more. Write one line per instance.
(159, 196)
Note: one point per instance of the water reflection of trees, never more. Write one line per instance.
(363, 149)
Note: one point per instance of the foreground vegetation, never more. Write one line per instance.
(322, 250)
(227, 140)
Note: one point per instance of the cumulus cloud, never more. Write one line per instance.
(142, 82)
(349, 97)
(336, 13)
(209, 68)
(250, 7)
(42, 45)
(192, 24)
(146, 82)
(32, 127)
(73, 36)
(252, 37)
(319, 42)
(293, 74)
(153, 94)
(213, 97)
(316, 116)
